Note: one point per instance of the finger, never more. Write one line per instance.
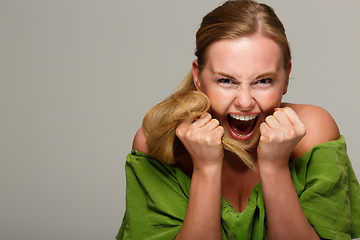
(219, 131)
(295, 120)
(203, 120)
(265, 130)
(211, 125)
(282, 118)
(183, 127)
(291, 115)
(217, 134)
(203, 124)
(272, 122)
(185, 123)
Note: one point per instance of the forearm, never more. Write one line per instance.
(203, 215)
(285, 217)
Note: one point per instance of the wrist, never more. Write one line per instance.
(208, 171)
(271, 164)
(273, 170)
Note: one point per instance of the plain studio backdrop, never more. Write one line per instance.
(77, 77)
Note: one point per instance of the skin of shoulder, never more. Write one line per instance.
(139, 142)
(320, 127)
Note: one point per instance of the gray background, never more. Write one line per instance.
(77, 77)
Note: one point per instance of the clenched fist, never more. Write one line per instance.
(280, 133)
(202, 139)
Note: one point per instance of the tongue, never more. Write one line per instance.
(241, 127)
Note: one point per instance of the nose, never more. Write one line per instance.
(244, 99)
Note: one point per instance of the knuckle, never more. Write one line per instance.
(271, 138)
(209, 140)
(179, 131)
(291, 133)
(189, 134)
(303, 129)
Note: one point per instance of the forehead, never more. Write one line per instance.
(245, 56)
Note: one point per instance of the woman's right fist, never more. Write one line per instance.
(202, 139)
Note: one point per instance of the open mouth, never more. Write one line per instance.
(241, 127)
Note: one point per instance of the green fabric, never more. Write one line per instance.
(157, 196)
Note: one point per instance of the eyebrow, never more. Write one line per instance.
(257, 77)
(225, 75)
(267, 74)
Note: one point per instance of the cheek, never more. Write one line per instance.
(219, 101)
(270, 101)
(216, 103)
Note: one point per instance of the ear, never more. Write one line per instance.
(287, 78)
(196, 75)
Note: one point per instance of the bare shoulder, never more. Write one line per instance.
(320, 127)
(139, 142)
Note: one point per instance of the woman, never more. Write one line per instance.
(300, 184)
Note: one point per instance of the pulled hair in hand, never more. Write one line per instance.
(159, 126)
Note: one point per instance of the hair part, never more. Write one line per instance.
(240, 18)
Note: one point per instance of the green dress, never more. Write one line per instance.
(157, 195)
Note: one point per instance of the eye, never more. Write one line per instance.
(225, 81)
(264, 81)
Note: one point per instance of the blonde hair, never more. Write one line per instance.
(239, 18)
(233, 19)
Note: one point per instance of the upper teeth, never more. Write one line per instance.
(243, 118)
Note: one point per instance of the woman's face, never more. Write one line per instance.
(245, 80)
